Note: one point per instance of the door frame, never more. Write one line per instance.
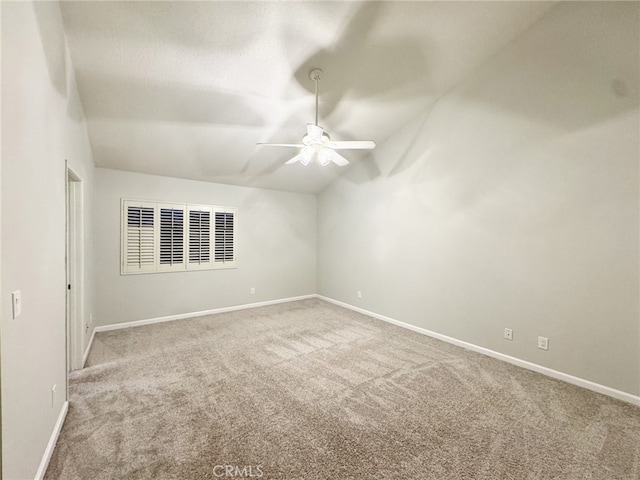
(74, 270)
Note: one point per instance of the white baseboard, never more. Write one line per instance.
(620, 395)
(581, 382)
(88, 349)
(44, 463)
(169, 318)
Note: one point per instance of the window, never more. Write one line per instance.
(224, 251)
(171, 238)
(162, 237)
(140, 238)
(199, 236)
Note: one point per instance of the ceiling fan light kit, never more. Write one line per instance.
(317, 145)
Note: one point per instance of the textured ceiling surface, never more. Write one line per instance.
(187, 89)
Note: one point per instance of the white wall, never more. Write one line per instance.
(276, 249)
(42, 125)
(513, 202)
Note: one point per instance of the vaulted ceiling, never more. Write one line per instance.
(187, 89)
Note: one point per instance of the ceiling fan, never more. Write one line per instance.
(316, 144)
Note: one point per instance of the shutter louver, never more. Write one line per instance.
(224, 237)
(199, 237)
(171, 236)
(140, 240)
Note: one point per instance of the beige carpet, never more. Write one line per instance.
(308, 390)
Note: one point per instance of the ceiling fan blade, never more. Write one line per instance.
(339, 159)
(327, 155)
(295, 159)
(294, 145)
(314, 131)
(353, 145)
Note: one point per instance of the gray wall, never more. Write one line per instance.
(42, 126)
(276, 249)
(512, 202)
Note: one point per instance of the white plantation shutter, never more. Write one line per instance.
(161, 237)
(199, 249)
(139, 239)
(224, 252)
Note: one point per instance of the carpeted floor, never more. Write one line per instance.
(308, 390)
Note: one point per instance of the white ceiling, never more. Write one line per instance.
(187, 89)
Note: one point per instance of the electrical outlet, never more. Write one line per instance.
(508, 334)
(543, 343)
(253, 290)
(359, 294)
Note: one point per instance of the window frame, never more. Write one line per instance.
(205, 252)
